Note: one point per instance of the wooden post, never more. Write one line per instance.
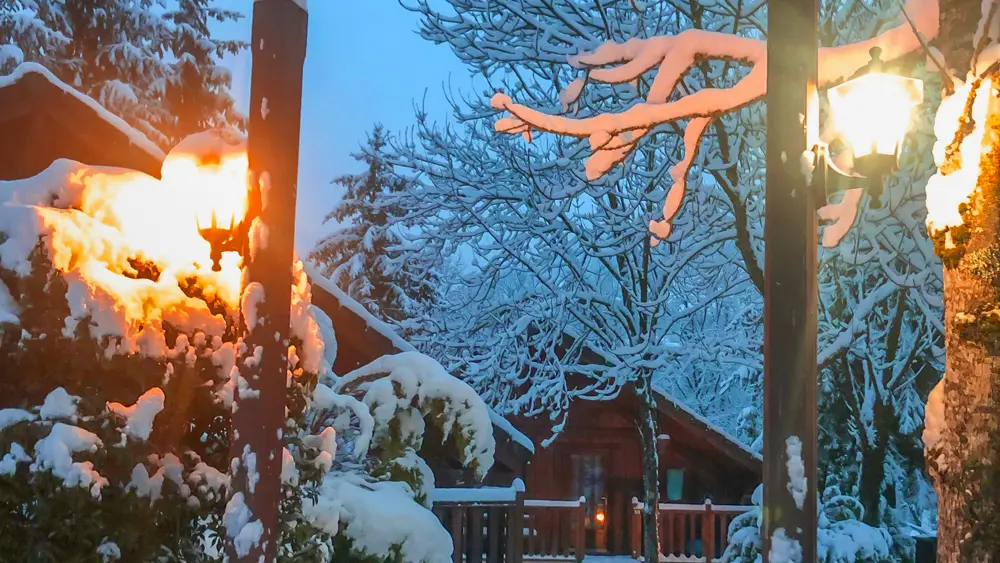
(790, 271)
(493, 534)
(708, 532)
(458, 542)
(278, 49)
(515, 528)
(475, 550)
(636, 529)
(581, 530)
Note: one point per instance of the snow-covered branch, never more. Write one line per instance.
(613, 136)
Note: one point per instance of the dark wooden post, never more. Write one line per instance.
(515, 528)
(581, 530)
(458, 536)
(278, 49)
(790, 271)
(708, 532)
(636, 529)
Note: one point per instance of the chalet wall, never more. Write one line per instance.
(605, 429)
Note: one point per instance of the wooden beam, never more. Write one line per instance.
(790, 273)
(278, 47)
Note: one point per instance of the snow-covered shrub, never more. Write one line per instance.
(842, 536)
(116, 396)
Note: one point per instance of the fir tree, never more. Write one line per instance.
(197, 92)
(367, 255)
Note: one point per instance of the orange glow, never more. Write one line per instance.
(873, 112)
(159, 219)
(599, 516)
(125, 215)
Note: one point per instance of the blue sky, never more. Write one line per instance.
(364, 63)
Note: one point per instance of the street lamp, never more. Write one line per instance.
(222, 239)
(872, 112)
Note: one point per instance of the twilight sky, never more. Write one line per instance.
(364, 63)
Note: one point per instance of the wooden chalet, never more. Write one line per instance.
(43, 119)
(597, 457)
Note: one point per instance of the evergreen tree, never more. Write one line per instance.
(366, 257)
(157, 70)
(197, 91)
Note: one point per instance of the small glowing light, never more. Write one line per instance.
(599, 516)
(873, 112)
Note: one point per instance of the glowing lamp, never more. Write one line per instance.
(599, 516)
(872, 112)
(221, 238)
(212, 167)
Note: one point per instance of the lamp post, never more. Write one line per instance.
(790, 282)
(872, 112)
(266, 240)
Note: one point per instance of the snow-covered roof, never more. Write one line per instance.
(700, 420)
(382, 328)
(135, 137)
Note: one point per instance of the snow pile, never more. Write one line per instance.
(139, 417)
(109, 551)
(797, 482)
(784, 549)
(948, 189)
(305, 324)
(95, 223)
(55, 453)
(10, 417)
(842, 536)
(362, 510)
(392, 385)
(128, 245)
(8, 309)
(8, 464)
(244, 533)
(59, 404)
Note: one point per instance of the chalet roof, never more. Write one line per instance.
(679, 413)
(51, 120)
(724, 441)
(371, 333)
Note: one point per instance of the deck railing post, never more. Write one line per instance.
(708, 533)
(515, 526)
(581, 530)
(636, 529)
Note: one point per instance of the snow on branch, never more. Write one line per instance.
(613, 136)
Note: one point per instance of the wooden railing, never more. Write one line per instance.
(688, 532)
(486, 524)
(497, 524)
(555, 529)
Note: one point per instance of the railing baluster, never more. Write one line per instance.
(457, 534)
(493, 534)
(708, 533)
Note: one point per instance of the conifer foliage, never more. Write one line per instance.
(366, 254)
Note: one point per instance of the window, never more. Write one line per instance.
(675, 484)
(588, 481)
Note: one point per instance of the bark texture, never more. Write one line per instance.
(646, 422)
(972, 376)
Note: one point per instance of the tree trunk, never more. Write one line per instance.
(959, 422)
(646, 421)
(873, 466)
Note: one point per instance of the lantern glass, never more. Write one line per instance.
(220, 185)
(873, 112)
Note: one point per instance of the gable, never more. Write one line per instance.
(42, 119)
